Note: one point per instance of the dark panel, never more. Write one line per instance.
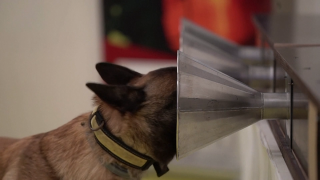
(284, 145)
(300, 141)
(302, 65)
(282, 84)
(138, 20)
(318, 148)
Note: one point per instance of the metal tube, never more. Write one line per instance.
(276, 106)
(275, 100)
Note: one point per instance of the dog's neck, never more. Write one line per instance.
(121, 126)
(73, 153)
(116, 147)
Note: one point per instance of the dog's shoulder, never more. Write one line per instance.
(12, 153)
(33, 151)
(5, 142)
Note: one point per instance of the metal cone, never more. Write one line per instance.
(211, 105)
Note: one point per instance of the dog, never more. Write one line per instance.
(132, 127)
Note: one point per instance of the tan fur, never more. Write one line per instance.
(64, 152)
(71, 152)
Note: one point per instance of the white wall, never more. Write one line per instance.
(304, 7)
(309, 7)
(48, 50)
(260, 155)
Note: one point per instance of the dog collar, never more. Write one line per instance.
(119, 150)
(118, 170)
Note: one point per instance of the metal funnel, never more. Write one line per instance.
(212, 105)
(196, 40)
(212, 50)
(239, 62)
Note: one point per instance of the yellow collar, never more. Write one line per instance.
(117, 149)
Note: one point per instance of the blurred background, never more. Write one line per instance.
(48, 50)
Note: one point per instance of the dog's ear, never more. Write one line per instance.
(124, 98)
(116, 75)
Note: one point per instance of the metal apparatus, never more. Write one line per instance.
(240, 62)
(194, 36)
(212, 105)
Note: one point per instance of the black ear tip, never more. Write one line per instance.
(102, 65)
(91, 85)
(95, 86)
(88, 85)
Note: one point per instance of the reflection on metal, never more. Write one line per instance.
(192, 35)
(207, 47)
(276, 105)
(212, 105)
(225, 56)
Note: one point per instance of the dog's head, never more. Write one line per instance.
(140, 109)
